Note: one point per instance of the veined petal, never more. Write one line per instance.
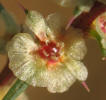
(57, 80)
(78, 49)
(75, 45)
(56, 23)
(78, 69)
(22, 43)
(22, 63)
(37, 24)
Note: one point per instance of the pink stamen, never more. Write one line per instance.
(48, 51)
(85, 86)
(70, 22)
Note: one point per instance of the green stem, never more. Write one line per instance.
(16, 90)
(95, 34)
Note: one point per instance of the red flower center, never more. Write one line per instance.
(49, 51)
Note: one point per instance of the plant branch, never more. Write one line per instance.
(95, 34)
(16, 90)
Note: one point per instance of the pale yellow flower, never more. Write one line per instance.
(48, 57)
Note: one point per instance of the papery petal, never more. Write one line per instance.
(75, 45)
(78, 69)
(36, 22)
(57, 80)
(56, 23)
(22, 63)
(78, 49)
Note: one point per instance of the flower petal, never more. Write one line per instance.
(56, 23)
(78, 69)
(75, 44)
(37, 24)
(57, 80)
(78, 49)
(22, 62)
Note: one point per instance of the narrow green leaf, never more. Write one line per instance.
(95, 34)
(16, 90)
(11, 28)
(11, 25)
(2, 46)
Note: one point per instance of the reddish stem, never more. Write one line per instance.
(85, 20)
(5, 75)
(70, 22)
(25, 10)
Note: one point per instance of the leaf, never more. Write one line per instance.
(2, 46)
(11, 28)
(16, 90)
(11, 25)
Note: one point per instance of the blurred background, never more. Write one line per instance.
(96, 67)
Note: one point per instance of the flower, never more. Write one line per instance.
(99, 24)
(48, 57)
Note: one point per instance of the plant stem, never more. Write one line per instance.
(16, 90)
(95, 34)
